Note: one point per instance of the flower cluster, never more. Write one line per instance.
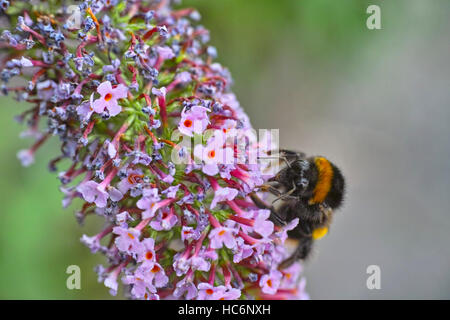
(121, 83)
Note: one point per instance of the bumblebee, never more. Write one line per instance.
(309, 189)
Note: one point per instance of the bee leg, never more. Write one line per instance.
(301, 252)
(287, 195)
(270, 188)
(276, 218)
(263, 205)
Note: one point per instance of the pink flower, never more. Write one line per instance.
(262, 226)
(109, 97)
(242, 251)
(155, 275)
(111, 280)
(111, 283)
(112, 151)
(92, 193)
(160, 93)
(26, 157)
(95, 192)
(290, 226)
(181, 263)
(187, 233)
(183, 77)
(165, 53)
(301, 293)
(223, 194)
(222, 236)
(160, 277)
(185, 288)
(150, 198)
(209, 292)
(128, 240)
(85, 110)
(93, 243)
(228, 128)
(25, 62)
(269, 283)
(231, 294)
(141, 281)
(193, 121)
(291, 275)
(171, 192)
(200, 263)
(123, 217)
(128, 182)
(164, 221)
(180, 78)
(147, 255)
(213, 154)
(151, 207)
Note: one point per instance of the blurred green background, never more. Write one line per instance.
(375, 102)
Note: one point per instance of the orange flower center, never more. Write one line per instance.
(209, 291)
(188, 123)
(149, 255)
(211, 154)
(134, 178)
(130, 235)
(155, 269)
(269, 283)
(108, 96)
(221, 233)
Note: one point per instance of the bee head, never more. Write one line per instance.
(305, 175)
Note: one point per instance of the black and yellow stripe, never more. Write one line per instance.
(324, 181)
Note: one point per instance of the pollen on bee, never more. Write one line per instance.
(319, 233)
